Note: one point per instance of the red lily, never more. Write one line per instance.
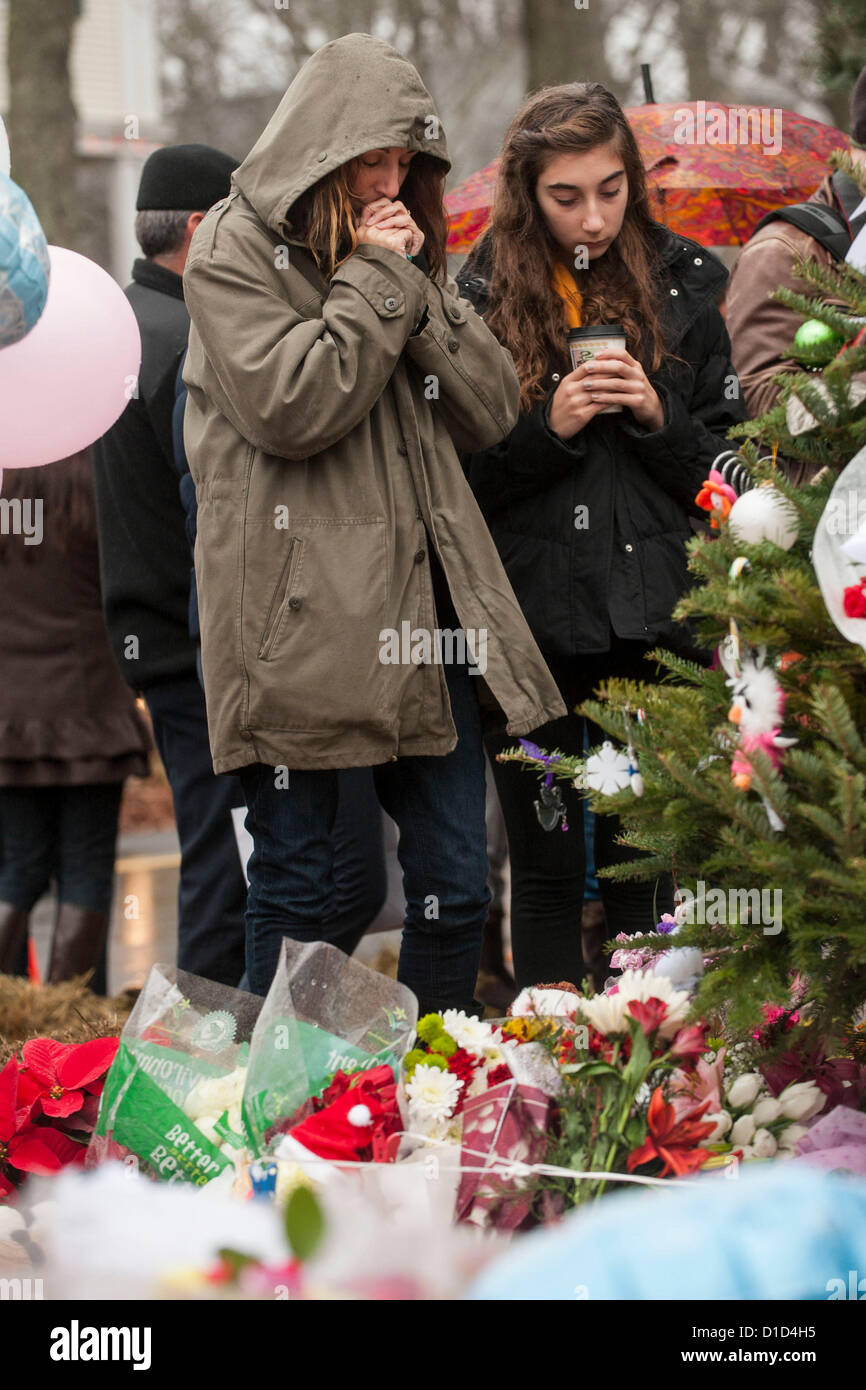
(650, 1015)
(58, 1074)
(672, 1140)
(690, 1043)
(26, 1147)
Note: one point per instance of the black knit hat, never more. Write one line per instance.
(858, 112)
(184, 178)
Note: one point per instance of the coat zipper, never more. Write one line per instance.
(276, 612)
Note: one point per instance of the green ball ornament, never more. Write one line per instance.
(816, 343)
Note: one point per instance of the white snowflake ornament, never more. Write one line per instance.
(609, 770)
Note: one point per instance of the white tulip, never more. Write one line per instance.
(801, 1100)
(745, 1089)
(743, 1130)
(766, 1110)
(722, 1122)
(791, 1136)
(764, 1144)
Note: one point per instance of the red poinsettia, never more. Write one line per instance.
(57, 1077)
(25, 1147)
(672, 1139)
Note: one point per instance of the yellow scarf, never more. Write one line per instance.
(566, 287)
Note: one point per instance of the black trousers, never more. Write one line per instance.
(65, 835)
(212, 892)
(548, 868)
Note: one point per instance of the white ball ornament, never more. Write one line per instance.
(763, 514)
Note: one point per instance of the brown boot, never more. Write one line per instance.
(13, 930)
(593, 937)
(496, 986)
(79, 935)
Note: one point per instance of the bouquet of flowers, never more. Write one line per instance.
(456, 1058)
(621, 1106)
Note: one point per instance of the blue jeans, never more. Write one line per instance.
(438, 805)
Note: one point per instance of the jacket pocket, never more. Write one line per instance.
(280, 599)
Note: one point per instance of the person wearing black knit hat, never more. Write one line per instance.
(760, 327)
(145, 561)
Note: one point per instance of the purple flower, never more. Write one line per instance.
(533, 751)
(666, 925)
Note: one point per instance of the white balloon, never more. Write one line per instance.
(763, 514)
(5, 157)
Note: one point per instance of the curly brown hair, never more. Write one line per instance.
(621, 286)
(325, 215)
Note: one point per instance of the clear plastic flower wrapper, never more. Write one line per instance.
(324, 1013)
(172, 1098)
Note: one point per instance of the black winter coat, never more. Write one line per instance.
(621, 563)
(143, 550)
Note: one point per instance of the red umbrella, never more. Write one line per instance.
(713, 170)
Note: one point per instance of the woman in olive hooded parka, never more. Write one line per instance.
(333, 372)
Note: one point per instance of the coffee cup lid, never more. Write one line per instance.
(598, 330)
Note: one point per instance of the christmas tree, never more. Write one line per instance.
(752, 771)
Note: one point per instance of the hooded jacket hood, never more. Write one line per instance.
(355, 94)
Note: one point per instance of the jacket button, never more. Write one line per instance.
(246, 735)
(401, 449)
(419, 556)
(698, 260)
(390, 303)
(674, 291)
(295, 602)
(453, 345)
(456, 315)
(629, 549)
(323, 156)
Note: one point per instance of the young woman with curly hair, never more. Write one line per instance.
(590, 498)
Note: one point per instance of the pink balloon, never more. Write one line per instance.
(67, 381)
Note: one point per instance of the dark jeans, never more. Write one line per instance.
(548, 867)
(64, 834)
(438, 805)
(360, 875)
(212, 892)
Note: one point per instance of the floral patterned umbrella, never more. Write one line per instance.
(713, 170)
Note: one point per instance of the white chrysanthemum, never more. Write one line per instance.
(432, 1094)
(608, 1013)
(470, 1033)
(500, 1054)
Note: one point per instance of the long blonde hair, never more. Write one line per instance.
(325, 214)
